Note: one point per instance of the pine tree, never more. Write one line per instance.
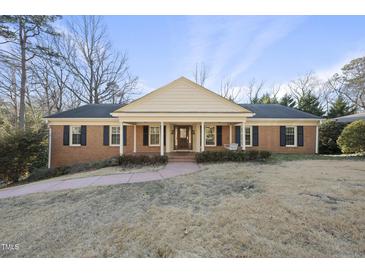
(21, 33)
(287, 100)
(311, 104)
(340, 108)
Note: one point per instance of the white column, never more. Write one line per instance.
(168, 138)
(134, 138)
(49, 146)
(161, 139)
(317, 139)
(202, 147)
(230, 133)
(243, 138)
(121, 139)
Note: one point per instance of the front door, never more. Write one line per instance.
(183, 137)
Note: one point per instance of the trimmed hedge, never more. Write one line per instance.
(136, 160)
(233, 156)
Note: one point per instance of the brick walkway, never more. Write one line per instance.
(169, 171)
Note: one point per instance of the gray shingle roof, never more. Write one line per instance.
(261, 110)
(88, 111)
(351, 118)
(277, 111)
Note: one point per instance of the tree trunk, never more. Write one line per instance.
(23, 79)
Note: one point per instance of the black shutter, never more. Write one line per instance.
(83, 135)
(300, 136)
(66, 135)
(282, 136)
(124, 135)
(145, 135)
(255, 136)
(106, 136)
(219, 135)
(164, 135)
(238, 135)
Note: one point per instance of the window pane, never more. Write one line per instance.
(76, 130)
(289, 136)
(76, 139)
(210, 136)
(115, 139)
(154, 135)
(76, 135)
(248, 136)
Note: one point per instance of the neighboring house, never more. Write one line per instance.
(350, 118)
(180, 116)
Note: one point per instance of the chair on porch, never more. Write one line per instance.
(233, 146)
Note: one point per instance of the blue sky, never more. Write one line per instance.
(274, 49)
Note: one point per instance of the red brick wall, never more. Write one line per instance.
(269, 139)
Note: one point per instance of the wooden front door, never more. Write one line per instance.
(183, 137)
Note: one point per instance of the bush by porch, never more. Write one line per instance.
(232, 156)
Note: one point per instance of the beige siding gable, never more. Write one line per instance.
(182, 95)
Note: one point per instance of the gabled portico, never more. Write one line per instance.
(182, 116)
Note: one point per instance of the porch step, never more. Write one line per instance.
(180, 160)
(183, 157)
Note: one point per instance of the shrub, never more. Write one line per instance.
(21, 152)
(136, 160)
(329, 131)
(352, 138)
(233, 156)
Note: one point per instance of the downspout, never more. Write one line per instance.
(49, 146)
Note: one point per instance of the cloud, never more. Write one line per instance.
(231, 45)
(326, 72)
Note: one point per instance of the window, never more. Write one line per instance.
(75, 136)
(115, 136)
(154, 136)
(248, 136)
(290, 136)
(210, 136)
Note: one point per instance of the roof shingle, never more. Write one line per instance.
(277, 111)
(261, 110)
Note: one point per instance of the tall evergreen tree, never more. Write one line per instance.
(310, 103)
(21, 32)
(287, 100)
(340, 108)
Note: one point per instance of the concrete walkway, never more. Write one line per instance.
(169, 171)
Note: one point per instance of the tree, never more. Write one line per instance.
(340, 108)
(353, 80)
(352, 138)
(254, 90)
(329, 131)
(287, 100)
(303, 90)
(99, 73)
(310, 103)
(21, 151)
(200, 74)
(21, 33)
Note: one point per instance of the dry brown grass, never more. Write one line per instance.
(312, 208)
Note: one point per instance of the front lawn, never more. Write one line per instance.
(311, 208)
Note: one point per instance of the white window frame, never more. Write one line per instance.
(149, 136)
(215, 136)
(295, 136)
(250, 144)
(71, 143)
(110, 136)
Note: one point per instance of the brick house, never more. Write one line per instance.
(181, 116)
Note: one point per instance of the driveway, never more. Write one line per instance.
(169, 171)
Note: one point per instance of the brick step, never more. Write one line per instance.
(182, 159)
